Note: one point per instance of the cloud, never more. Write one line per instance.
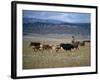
(62, 16)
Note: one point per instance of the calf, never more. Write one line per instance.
(57, 48)
(76, 44)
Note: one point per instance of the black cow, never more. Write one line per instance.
(67, 46)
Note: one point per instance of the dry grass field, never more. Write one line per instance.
(53, 59)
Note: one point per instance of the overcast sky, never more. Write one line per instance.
(62, 16)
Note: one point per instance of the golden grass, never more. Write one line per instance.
(53, 59)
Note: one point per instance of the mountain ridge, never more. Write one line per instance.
(33, 20)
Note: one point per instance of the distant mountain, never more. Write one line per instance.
(33, 20)
(38, 26)
(46, 21)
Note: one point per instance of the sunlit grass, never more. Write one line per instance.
(53, 59)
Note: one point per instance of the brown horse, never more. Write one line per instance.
(76, 44)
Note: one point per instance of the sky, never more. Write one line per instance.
(61, 16)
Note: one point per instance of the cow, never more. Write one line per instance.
(35, 46)
(46, 47)
(57, 48)
(67, 46)
(87, 41)
(82, 43)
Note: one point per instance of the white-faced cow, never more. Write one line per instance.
(46, 47)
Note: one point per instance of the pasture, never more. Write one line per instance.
(53, 59)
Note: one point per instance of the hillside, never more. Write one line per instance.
(38, 26)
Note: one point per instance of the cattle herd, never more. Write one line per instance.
(37, 46)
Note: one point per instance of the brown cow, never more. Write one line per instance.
(87, 41)
(46, 47)
(35, 46)
(82, 43)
